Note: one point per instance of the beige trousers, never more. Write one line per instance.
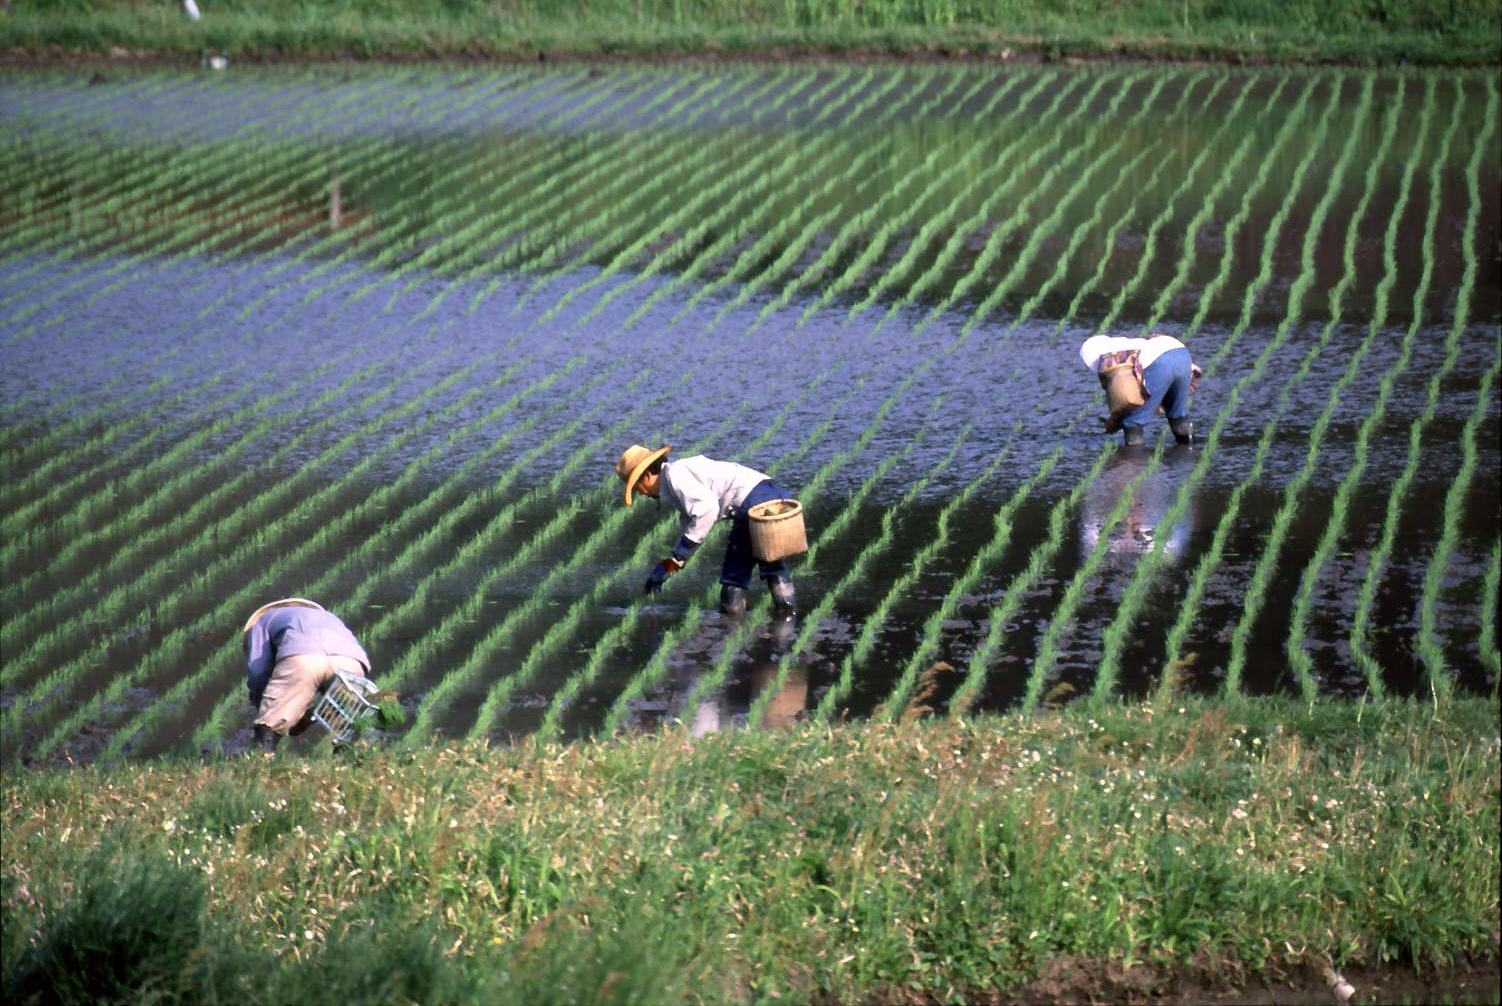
(294, 685)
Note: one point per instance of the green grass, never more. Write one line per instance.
(1434, 32)
(920, 860)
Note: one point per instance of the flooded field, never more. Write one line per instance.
(376, 336)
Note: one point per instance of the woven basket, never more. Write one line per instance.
(777, 530)
(1124, 391)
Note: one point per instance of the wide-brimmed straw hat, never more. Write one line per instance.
(283, 603)
(634, 462)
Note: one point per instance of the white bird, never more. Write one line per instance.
(191, 8)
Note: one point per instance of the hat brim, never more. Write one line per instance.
(641, 468)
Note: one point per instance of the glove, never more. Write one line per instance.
(660, 573)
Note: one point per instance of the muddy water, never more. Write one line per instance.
(380, 335)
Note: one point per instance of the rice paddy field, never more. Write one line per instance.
(375, 335)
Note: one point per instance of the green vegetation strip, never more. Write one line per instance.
(1246, 843)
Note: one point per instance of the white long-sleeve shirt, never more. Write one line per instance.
(1148, 349)
(703, 490)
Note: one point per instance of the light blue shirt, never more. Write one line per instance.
(288, 631)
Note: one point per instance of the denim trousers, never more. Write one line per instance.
(735, 571)
(1166, 380)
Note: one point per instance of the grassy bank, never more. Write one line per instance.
(1450, 33)
(1115, 850)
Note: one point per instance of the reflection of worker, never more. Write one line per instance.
(292, 648)
(1165, 378)
(703, 491)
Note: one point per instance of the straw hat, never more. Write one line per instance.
(284, 602)
(635, 460)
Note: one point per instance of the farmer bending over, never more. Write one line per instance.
(292, 648)
(703, 491)
(1143, 377)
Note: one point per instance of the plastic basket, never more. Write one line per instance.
(777, 530)
(344, 705)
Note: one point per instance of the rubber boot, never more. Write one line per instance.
(1133, 436)
(1183, 430)
(784, 599)
(263, 738)
(732, 600)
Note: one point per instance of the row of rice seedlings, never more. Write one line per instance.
(679, 216)
(103, 173)
(1039, 233)
(1429, 647)
(1299, 659)
(1486, 639)
(236, 179)
(21, 523)
(1144, 576)
(862, 223)
(1210, 558)
(1282, 522)
(420, 529)
(853, 183)
(1000, 619)
(1361, 624)
(929, 635)
(465, 103)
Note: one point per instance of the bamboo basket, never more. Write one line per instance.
(777, 530)
(1124, 391)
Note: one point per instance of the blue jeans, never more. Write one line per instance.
(735, 571)
(1166, 380)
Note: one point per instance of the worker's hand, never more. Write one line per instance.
(660, 573)
(1109, 424)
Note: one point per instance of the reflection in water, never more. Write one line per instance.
(1142, 526)
(782, 702)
